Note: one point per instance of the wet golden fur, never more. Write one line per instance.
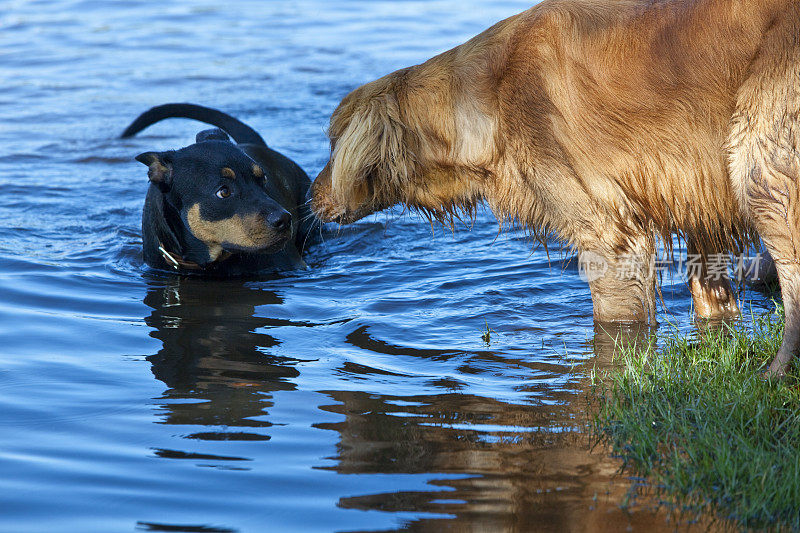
(608, 123)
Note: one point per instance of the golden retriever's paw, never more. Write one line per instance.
(777, 370)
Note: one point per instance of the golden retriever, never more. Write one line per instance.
(611, 124)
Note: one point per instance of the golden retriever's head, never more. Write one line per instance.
(373, 156)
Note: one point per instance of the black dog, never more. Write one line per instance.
(219, 208)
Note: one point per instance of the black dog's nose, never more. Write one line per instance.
(279, 221)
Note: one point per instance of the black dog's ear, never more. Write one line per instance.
(215, 134)
(160, 169)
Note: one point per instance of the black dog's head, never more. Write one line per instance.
(215, 201)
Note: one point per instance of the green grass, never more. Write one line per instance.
(710, 434)
(486, 334)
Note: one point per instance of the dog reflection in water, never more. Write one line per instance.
(212, 350)
(504, 465)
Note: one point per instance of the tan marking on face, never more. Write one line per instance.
(248, 231)
(258, 172)
(227, 172)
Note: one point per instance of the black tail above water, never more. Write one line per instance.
(241, 132)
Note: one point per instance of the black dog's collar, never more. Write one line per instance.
(177, 262)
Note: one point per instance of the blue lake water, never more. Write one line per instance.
(357, 395)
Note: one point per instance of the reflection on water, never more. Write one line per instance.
(513, 457)
(214, 354)
(504, 461)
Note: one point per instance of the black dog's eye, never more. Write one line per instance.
(223, 192)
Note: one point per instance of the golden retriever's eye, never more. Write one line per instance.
(223, 192)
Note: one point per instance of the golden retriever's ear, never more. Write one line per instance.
(373, 143)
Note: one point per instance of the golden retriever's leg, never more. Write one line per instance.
(773, 196)
(775, 209)
(622, 282)
(712, 293)
(765, 164)
(790, 288)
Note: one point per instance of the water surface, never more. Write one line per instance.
(357, 395)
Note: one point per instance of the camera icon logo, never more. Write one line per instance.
(592, 266)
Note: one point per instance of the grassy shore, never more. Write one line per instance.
(708, 432)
